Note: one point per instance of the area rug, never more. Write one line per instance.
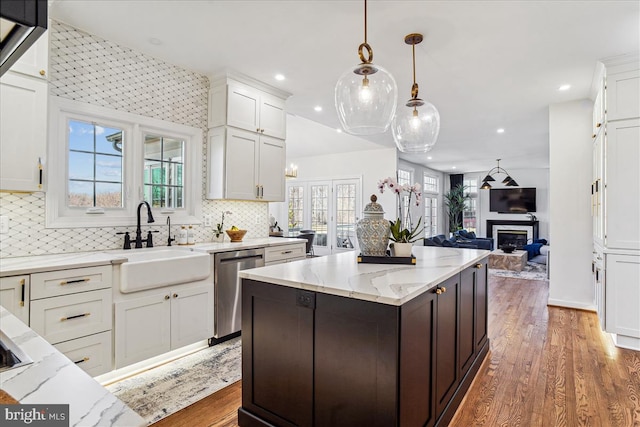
(159, 392)
(531, 271)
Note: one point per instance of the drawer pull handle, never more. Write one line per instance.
(77, 316)
(22, 289)
(69, 282)
(84, 359)
(286, 252)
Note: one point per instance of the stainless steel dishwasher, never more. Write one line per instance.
(227, 289)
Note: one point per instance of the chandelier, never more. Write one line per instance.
(366, 95)
(508, 181)
(415, 130)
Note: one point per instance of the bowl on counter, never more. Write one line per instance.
(507, 249)
(236, 235)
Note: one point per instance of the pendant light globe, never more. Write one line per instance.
(366, 97)
(416, 129)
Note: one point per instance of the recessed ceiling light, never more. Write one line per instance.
(500, 130)
(339, 130)
(155, 41)
(453, 167)
(279, 77)
(317, 108)
(564, 87)
(429, 158)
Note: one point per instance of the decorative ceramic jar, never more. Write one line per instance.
(373, 230)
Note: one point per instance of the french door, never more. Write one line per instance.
(330, 208)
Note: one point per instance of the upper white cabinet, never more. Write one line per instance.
(246, 150)
(598, 110)
(623, 95)
(23, 113)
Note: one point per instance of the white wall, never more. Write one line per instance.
(569, 204)
(538, 178)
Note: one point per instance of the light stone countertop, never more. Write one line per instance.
(392, 284)
(227, 246)
(53, 379)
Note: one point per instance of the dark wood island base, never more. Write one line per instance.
(316, 359)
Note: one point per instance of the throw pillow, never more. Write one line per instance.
(543, 241)
(532, 249)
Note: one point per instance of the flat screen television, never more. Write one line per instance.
(512, 200)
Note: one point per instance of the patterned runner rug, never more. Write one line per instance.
(159, 392)
(531, 271)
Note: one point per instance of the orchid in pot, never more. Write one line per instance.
(403, 233)
(219, 231)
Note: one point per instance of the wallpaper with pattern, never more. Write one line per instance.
(90, 69)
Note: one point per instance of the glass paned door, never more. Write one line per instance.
(346, 199)
(320, 215)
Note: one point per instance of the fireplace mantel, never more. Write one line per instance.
(505, 222)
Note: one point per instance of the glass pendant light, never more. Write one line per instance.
(366, 94)
(414, 129)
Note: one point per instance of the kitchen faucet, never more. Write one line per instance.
(150, 219)
(169, 240)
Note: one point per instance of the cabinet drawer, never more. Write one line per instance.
(67, 317)
(285, 252)
(64, 282)
(92, 353)
(14, 296)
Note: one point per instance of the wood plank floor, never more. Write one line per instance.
(548, 366)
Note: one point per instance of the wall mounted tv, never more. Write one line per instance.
(512, 200)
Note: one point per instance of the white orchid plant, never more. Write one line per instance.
(401, 229)
(220, 225)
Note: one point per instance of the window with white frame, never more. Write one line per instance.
(404, 178)
(430, 193)
(470, 214)
(102, 163)
(296, 208)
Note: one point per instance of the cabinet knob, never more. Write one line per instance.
(593, 136)
(444, 289)
(478, 265)
(261, 130)
(175, 295)
(167, 297)
(42, 72)
(598, 125)
(257, 129)
(438, 291)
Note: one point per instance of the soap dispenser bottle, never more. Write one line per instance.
(182, 237)
(191, 240)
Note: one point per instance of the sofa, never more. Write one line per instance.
(471, 238)
(441, 241)
(537, 251)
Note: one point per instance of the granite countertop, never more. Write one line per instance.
(392, 284)
(54, 379)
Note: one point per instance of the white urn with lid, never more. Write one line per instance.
(373, 230)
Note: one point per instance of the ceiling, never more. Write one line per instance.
(484, 64)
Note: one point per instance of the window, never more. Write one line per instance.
(404, 178)
(296, 208)
(469, 216)
(95, 165)
(430, 192)
(102, 163)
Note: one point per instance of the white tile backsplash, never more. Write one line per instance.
(89, 69)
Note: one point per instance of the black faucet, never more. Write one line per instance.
(150, 219)
(169, 240)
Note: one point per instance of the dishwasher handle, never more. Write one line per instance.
(240, 258)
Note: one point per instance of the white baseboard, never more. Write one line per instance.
(571, 304)
(623, 341)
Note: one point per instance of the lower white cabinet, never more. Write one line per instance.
(285, 253)
(91, 353)
(622, 298)
(165, 320)
(14, 296)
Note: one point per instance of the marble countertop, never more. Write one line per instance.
(227, 246)
(392, 284)
(54, 379)
(39, 263)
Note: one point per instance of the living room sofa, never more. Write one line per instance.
(441, 241)
(470, 237)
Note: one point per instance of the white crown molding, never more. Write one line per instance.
(227, 74)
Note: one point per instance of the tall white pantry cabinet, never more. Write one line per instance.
(615, 201)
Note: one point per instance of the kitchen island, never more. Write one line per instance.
(330, 342)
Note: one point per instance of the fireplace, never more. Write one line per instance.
(518, 238)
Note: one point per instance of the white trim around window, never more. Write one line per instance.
(59, 215)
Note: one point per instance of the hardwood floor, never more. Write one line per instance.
(548, 366)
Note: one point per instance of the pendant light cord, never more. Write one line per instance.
(365, 21)
(413, 47)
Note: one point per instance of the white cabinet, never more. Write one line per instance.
(73, 309)
(35, 61)
(285, 253)
(622, 185)
(246, 150)
(597, 271)
(623, 298)
(23, 134)
(14, 296)
(597, 189)
(165, 320)
(598, 112)
(242, 106)
(245, 165)
(623, 95)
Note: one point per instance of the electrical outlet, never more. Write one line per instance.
(4, 224)
(207, 221)
(257, 219)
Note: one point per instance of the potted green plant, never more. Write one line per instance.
(403, 233)
(455, 200)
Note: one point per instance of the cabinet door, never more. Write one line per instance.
(191, 315)
(623, 95)
(243, 107)
(271, 165)
(598, 281)
(598, 114)
(446, 371)
(14, 296)
(622, 294)
(481, 304)
(273, 121)
(35, 61)
(142, 328)
(241, 165)
(622, 229)
(468, 280)
(23, 134)
(277, 353)
(597, 189)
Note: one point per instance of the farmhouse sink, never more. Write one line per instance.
(157, 267)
